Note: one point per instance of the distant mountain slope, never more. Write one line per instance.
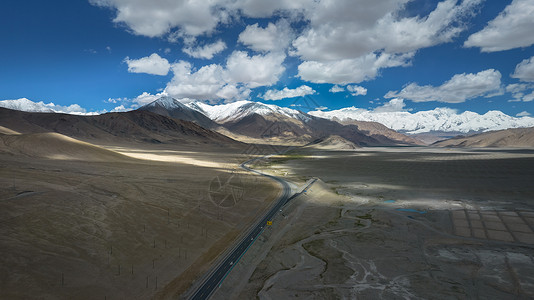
(436, 136)
(433, 124)
(381, 132)
(285, 125)
(133, 126)
(279, 128)
(271, 126)
(333, 142)
(439, 119)
(170, 107)
(245, 120)
(516, 137)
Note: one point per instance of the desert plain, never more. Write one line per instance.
(117, 221)
(396, 223)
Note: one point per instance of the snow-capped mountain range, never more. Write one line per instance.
(238, 110)
(252, 120)
(439, 119)
(24, 104)
(173, 108)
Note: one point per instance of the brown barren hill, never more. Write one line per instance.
(333, 142)
(381, 132)
(513, 138)
(172, 108)
(133, 126)
(306, 131)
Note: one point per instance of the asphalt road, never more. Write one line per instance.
(218, 274)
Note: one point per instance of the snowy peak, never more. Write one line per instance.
(439, 119)
(238, 110)
(24, 104)
(166, 102)
(170, 107)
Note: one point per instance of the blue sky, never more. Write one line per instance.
(120, 54)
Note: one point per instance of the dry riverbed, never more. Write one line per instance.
(397, 223)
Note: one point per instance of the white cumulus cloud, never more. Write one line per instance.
(203, 84)
(231, 81)
(347, 71)
(356, 90)
(263, 9)
(459, 88)
(302, 90)
(528, 97)
(183, 19)
(521, 92)
(511, 29)
(157, 18)
(524, 71)
(394, 105)
(349, 29)
(336, 89)
(153, 64)
(145, 98)
(352, 41)
(339, 42)
(517, 87)
(116, 100)
(256, 70)
(271, 38)
(206, 51)
(523, 114)
(120, 108)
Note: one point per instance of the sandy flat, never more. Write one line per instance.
(89, 222)
(397, 223)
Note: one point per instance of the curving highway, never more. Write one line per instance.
(217, 275)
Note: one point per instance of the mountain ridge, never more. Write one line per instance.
(439, 120)
(507, 138)
(332, 142)
(436, 120)
(172, 108)
(283, 125)
(223, 113)
(133, 126)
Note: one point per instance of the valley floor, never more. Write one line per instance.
(132, 222)
(397, 223)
